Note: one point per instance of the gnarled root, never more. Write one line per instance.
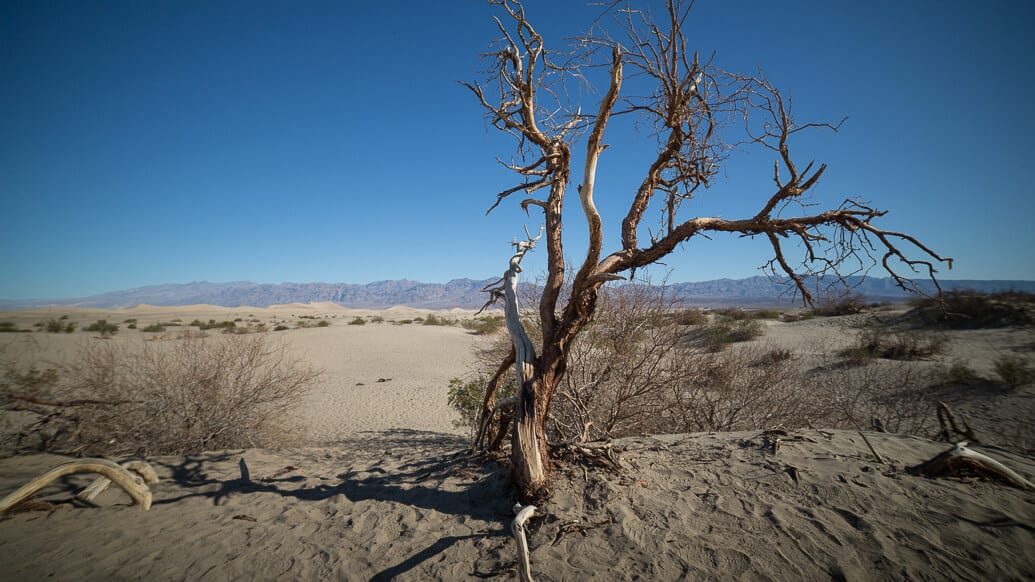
(142, 469)
(119, 475)
(517, 529)
(960, 458)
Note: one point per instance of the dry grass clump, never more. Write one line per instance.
(228, 391)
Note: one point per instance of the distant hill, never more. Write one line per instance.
(462, 293)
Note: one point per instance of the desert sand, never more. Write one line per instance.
(386, 492)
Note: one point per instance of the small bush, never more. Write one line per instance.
(11, 327)
(433, 319)
(484, 325)
(833, 306)
(798, 316)
(689, 317)
(358, 321)
(323, 323)
(377, 319)
(1014, 370)
(960, 374)
(104, 328)
(154, 328)
(58, 326)
(964, 308)
(281, 327)
(874, 342)
(721, 333)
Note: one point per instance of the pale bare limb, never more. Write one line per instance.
(100, 484)
(119, 475)
(517, 529)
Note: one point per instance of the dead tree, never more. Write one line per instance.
(693, 106)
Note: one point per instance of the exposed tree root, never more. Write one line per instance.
(122, 477)
(961, 460)
(600, 455)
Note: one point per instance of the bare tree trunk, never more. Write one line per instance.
(529, 461)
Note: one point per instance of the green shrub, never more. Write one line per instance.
(377, 319)
(55, 326)
(130, 320)
(433, 319)
(212, 324)
(466, 396)
(104, 328)
(323, 323)
(1014, 370)
(281, 328)
(11, 327)
(358, 321)
(484, 325)
(154, 327)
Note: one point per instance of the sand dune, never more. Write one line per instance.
(390, 495)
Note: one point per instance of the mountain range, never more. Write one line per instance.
(464, 293)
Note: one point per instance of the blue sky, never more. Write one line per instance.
(160, 142)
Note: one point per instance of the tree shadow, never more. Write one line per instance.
(429, 471)
(452, 483)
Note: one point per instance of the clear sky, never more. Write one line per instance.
(175, 141)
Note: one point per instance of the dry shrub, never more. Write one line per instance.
(1014, 370)
(876, 342)
(837, 305)
(189, 396)
(751, 387)
(969, 309)
(885, 396)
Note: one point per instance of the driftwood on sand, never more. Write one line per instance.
(960, 459)
(121, 476)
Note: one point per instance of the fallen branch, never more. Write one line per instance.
(517, 529)
(880, 459)
(119, 475)
(960, 459)
(142, 469)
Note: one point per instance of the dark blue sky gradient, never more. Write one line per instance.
(156, 142)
